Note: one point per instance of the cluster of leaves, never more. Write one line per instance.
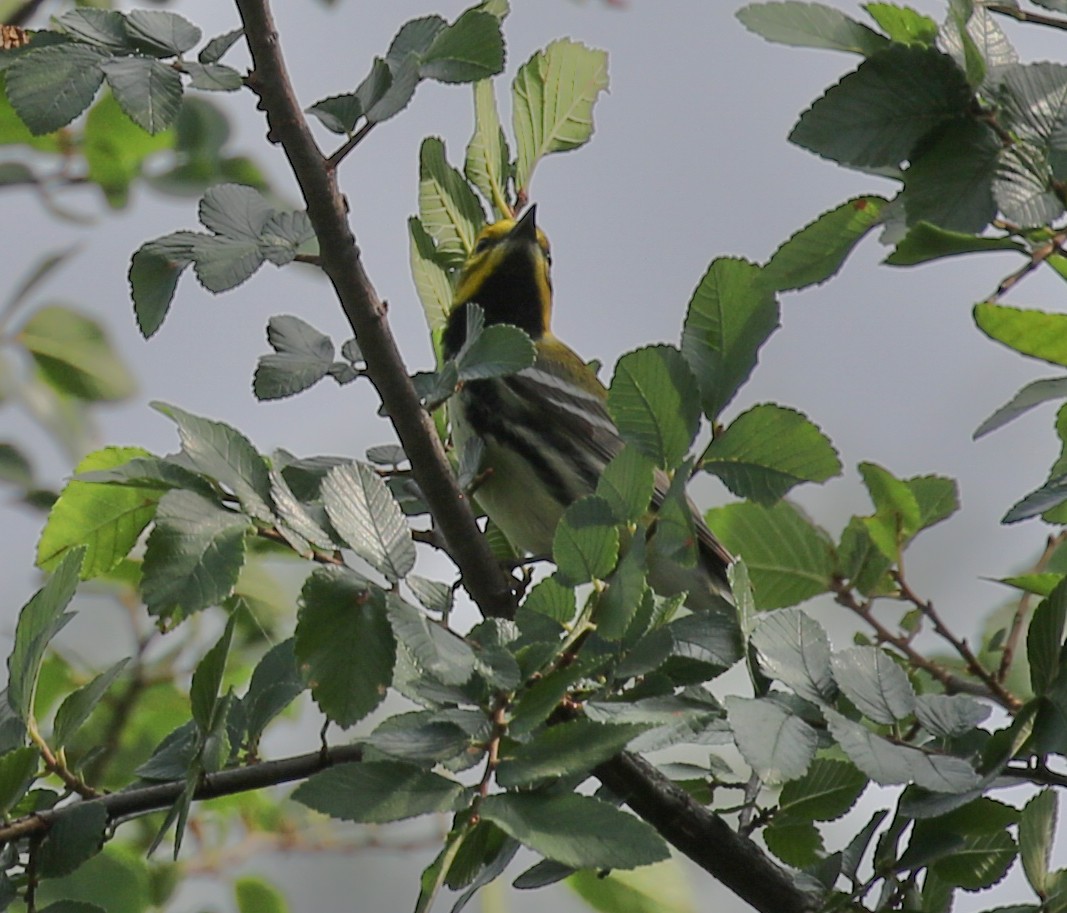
(976, 140)
(54, 78)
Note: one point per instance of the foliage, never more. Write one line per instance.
(505, 722)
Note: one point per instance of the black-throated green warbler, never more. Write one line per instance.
(546, 430)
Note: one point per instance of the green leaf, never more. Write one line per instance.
(949, 716)
(432, 595)
(150, 92)
(730, 316)
(819, 250)
(213, 51)
(938, 499)
(105, 29)
(768, 450)
(494, 351)
(777, 745)
(1033, 394)
(75, 355)
(76, 836)
(302, 357)
(552, 102)
(626, 484)
(651, 404)
(897, 515)
(487, 165)
(796, 843)
(951, 182)
(39, 621)
(1035, 100)
(50, 86)
(435, 649)
(810, 25)
(155, 268)
(193, 556)
(874, 683)
(1038, 334)
(78, 705)
(586, 543)
(212, 77)
(902, 23)
(106, 519)
(374, 792)
(207, 679)
(888, 763)
(551, 597)
(275, 684)
(578, 831)
(162, 34)
(1037, 829)
(224, 454)
(925, 242)
(980, 863)
(1050, 495)
(340, 113)
(469, 49)
(431, 278)
(1025, 186)
(344, 644)
(422, 737)
(257, 895)
(367, 516)
(794, 649)
(619, 603)
(788, 557)
(1044, 639)
(876, 115)
(565, 750)
(448, 208)
(827, 791)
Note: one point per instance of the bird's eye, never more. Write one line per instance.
(482, 245)
(548, 257)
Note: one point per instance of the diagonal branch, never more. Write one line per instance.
(704, 837)
(366, 312)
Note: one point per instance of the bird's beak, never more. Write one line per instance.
(526, 228)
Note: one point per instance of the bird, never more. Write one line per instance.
(545, 431)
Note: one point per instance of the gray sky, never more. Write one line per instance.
(689, 162)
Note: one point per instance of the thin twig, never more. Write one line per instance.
(974, 665)
(354, 140)
(1023, 16)
(951, 682)
(1037, 257)
(57, 765)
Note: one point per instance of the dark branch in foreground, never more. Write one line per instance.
(704, 837)
(341, 262)
(140, 800)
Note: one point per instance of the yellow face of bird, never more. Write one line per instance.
(508, 275)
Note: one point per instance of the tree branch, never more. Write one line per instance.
(341, 261)
(1022, 16)
(704, 837)
(141, 800)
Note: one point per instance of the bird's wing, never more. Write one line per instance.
(575, 402)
